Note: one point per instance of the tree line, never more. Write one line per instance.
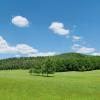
(58, 63)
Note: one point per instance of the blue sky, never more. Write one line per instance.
(47, 27)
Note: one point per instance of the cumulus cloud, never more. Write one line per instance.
(20, 21)
(4, 47)
(96, 54)
(25, 49)
(76, 38)
(58, 28)
(76, 47)
(85, 50)
(21, 50)
(43, 54)
(82, 49)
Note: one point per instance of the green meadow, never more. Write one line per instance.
(20, 85)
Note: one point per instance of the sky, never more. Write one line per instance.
(49, 27)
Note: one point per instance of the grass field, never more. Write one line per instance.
(20, 85)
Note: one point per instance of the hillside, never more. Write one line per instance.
(62, 62)
(72, 55)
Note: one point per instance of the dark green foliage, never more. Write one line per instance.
(48, 67)
(43, 67)
(61, 63)
(37, 68)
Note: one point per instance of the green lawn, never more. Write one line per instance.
(20, 85)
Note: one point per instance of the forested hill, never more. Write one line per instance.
(72, 55)
(62, 62)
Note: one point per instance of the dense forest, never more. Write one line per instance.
(61, 63)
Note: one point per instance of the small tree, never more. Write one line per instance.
(36, 68)
(48, 67)
(44, 67)
(31, 71)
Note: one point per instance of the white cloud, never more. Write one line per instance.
(21, 50)
(17, 56)
(82, 49)
(25, 49)
(76, 38)
(58, 28)
(20, 21)
(96, 54)
(85, 50)
(4, 47)
(75, 47)
(43, 54)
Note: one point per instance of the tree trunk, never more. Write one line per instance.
(47, 74)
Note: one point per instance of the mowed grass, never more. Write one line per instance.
(20, 85)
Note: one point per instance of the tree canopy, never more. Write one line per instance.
(61, 63)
